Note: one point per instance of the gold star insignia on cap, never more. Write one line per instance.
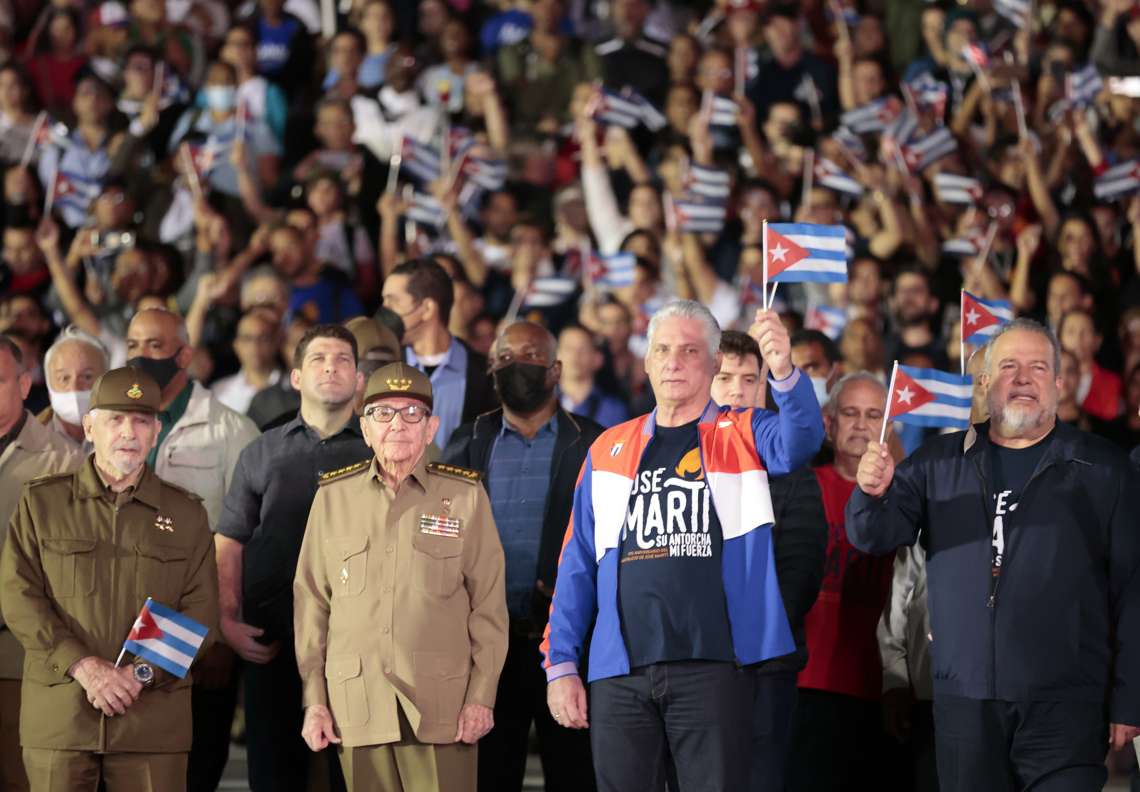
(135, 392)
(399, 384)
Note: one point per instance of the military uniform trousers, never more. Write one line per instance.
(410, 765)
(51, 770)
(12, 775)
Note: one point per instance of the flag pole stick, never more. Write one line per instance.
(741, 69)
(887, 409)
(50, 197)
(1019, 107)
(962, 330)
(772, 297)
(393, 171)
(764, 256)
(122, 652)
(30, 149)
(809, 175)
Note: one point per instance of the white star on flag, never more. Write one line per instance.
(779, 252)
(972, 317)
(905, 395)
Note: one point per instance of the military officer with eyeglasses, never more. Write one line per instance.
(399, 604)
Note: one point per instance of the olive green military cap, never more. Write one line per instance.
(398, 379)
(126, 389)
(370, 336)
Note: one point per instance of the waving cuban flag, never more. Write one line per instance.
(981, 319)
(928, 397)
(165, 637)
(1118, 181)
(828, 319)
(806, 252)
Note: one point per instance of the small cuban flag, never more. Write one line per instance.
(549, 291)
(928, 397)
(1118, 181)
(828, 319)
(612, 272)
(806, 252)
(981, 319)
(166, 638)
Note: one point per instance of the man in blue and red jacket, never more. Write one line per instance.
(1033, 567)
(669, 557)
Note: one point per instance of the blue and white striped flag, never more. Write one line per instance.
(981, 319)
(807, 252)
(829, 175)
(954, 189)
(828, 319)
(548, 292)
(928, 397)
(1118, 181)
(1083, 86)
(165, 638)
(708, 182)
(421, 161)
(613, 272)
(923, 152)
(1015, 11)
(873, 116)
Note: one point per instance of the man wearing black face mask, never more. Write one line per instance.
(529, 451)
(197, 449)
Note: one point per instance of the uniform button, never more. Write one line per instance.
(388, 589)
(385, 630)
(387, 669)
(55, 667)
(389, 549)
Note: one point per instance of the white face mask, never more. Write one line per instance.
(70, 406)
(819, 385)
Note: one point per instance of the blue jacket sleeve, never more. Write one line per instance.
(575, 592)
(1124, 599)
(879, 525)
(787, 440)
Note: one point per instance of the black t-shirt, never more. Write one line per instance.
(1010, 471)
(670, 585)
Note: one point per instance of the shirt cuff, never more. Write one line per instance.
(64, 656)
(787, 383)
(560, 670)
(314, 691)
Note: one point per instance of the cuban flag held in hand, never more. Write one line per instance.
(928, 397)
(981, 319)
(165, 638)
(807, 252)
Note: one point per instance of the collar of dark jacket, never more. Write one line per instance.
(1066, 444)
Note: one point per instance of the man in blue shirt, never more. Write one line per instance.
(420, 292)
(530, 452)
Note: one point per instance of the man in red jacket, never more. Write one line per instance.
(836, 729)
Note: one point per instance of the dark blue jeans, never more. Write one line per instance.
(698, 713)
(772, 707)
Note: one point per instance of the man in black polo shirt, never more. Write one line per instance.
(259, 540)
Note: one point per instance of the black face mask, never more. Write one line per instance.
(162, 370)
(522, 386)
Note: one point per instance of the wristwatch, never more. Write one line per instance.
(144, 674)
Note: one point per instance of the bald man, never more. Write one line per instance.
(529, 452)
(197, 448)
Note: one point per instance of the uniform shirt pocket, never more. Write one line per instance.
(436, 563)
(196, 468)
(348, 696)
(160, 571)
(69, 564)
(347, 565)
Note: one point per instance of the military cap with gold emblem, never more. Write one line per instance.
(398, 379)
(127, 390)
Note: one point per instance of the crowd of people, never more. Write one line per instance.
(263, 206)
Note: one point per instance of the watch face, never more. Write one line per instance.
(144, 673)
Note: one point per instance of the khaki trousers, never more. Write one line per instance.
(12, 776)
(410, 766)
(80, 771)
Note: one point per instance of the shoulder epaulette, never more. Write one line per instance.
(194, 496)
(452, 471)
(47, 478)
(348, 470)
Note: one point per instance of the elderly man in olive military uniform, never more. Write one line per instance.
(84, 551)
(399, 605)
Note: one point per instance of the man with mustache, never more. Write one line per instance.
(1033, 563)
(83, 553)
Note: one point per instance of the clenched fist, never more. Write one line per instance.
(775, 344)
(876, 469)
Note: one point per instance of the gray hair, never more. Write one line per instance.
(688, 309)
(72, 334)
(1029, 326)
(831, 406)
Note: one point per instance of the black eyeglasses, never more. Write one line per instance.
(412, 414)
